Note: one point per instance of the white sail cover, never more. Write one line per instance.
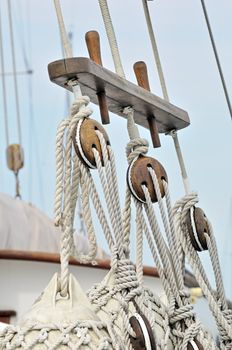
(25, 227)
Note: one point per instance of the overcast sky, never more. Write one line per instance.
(192, 80)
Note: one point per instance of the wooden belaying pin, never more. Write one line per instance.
(93, 44)
(140, 70)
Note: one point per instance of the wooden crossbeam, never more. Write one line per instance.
(119, 92)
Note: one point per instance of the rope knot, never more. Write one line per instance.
(182, 313)
(126, 277)
(135, 148)
(185, 203)
(225, 337)
(79, 109)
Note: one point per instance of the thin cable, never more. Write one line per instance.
(63, 34)
(14, 72)
(216, 57)
(5, 110)
(111, 37)
(173, 133)
(155, 50)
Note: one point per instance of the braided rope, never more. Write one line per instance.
(217, 303)
(182, 326)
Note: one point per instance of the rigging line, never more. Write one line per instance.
(173, 133)
(63, 34)
(217, 57)
(5, 109)
(155, 50)
(33, 141)
(21, 35)
(111, 37)
(14, 71)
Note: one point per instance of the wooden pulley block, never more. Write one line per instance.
(198, 228)
(194, 345)
(85, 139)
(15, 157)
(144, 339)
(138, 175)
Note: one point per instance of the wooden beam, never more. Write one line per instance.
(150, 271)
(5, 315)
(120, 93)
(55, 258)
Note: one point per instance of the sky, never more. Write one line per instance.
(192, 80)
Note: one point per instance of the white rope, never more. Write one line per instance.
(167, 257)
(73, 336)
(63, 34)
(14, 72)
(212, 244)
(179, 154)
(111, 38)
(155, 50)
(217, 301)
(173, 133)
(66, 181)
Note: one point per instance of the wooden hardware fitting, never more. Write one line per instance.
(198, 228)
(120, 93)
(194, 345)
(138, 175)
(92, 39)
(15, 157)
(5, 315)
(144, 339)
(85, 139)
(140, 70)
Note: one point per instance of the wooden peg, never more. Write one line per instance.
(140, 70)
(93, 44)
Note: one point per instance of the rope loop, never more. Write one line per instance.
(181, 313)
(135, 148)
(184, 204)
(79, 109)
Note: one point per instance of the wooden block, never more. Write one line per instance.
(120, 93)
